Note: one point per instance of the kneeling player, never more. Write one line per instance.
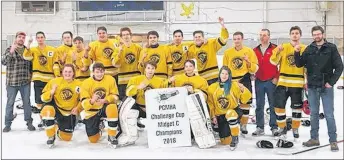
(99, 95)
(223, 98)
(61, 96)
(136, 89)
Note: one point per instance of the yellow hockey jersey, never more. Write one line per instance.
(127, 61)
(105, 89)
(139, 94)
(290, 75)
(197, 82)
(205, 55)
(66, 96)
(233, 59)
(179, 54)
(219, 103)
(102, 52)
(59, 61)
(161, 56)
(80, 63)
(42, 61)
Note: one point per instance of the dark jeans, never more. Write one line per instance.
(11, 97)
(261, 88)
(327, 97)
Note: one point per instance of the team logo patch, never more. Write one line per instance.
(42, 60)
(202, 56)
(291, 60)
(101, 92)
(155, 58)
(237, 63)
(66, 94)
(223, 102)
(107, 52)
(129, 58)
(176, 57)
(50, 54)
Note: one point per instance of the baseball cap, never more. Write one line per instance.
(20, 33)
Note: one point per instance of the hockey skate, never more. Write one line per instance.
(41, 126)
(140, 126)
(296, 134)
(112, 141)
(51, 142)
(234, 143)
(281, 133)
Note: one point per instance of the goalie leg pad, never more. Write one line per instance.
(128, 122)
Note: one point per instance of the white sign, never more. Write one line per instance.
(167, 119)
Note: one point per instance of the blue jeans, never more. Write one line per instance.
(263, 87)
(11, 96)
(327, 97)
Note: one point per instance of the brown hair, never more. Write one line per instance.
(295, 28)
(239, 33)
(150, 63)
(71, 66)
(124, 29)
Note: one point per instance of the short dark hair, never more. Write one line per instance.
(98, 66)
(239, 33)
(198, 31)
(178, 31)
(153, 33)
(68, 32)
(318, 28)
(190, 61)
(150, 63)
(295, 28)
(267, 30)
(78, 38)
(40, 32)
(101, 28)
(124, 29)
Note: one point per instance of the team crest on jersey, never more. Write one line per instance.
(42, 60)
(108, 52)
(237, 63)
(176, 57)
(291, 60)
(101, 92)
(129, 58)
(50, 54)
(66, 94)
(155, 58)
(223, 102)
(202, 56)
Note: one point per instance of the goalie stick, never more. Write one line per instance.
(306, 150)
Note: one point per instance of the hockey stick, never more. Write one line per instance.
(306, 150)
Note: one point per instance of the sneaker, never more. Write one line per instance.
(311, 143)
(296, 133)
(258, 132)
(30, 127)
(274, 132)
(334, 147)
(281, 131)
(7, 129)
(243, 129)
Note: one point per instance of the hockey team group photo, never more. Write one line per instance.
(159, 79)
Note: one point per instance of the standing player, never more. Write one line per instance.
(102, 50)
(99, 95)
(80, 63)
(178, 50)
(42, 58)
(205, 53)
(223, 98)
(159, 54)
(242, 61)
(62, 52)
(290, 82)
(61, 96)
(126, 60)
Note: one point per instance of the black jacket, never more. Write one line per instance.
(320, 64)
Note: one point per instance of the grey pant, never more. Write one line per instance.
(327, 97)
(11, 96)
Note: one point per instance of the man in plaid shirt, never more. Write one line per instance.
(18, 78)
